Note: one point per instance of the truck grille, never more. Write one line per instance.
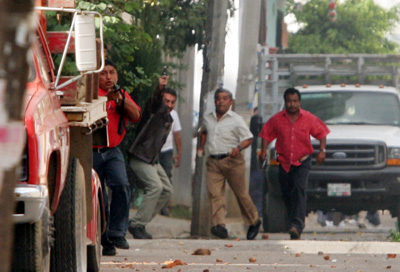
(346, 155)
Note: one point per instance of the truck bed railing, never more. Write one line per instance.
(70, 33)
(279, 71)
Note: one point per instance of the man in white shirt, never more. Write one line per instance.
(226, 135)
(166, 157)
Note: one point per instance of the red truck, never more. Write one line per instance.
(59, 216)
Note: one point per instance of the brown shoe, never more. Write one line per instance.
(294, 233)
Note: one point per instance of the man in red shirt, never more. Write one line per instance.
(109, 163)
(292, 127)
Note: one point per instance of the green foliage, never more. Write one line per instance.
(361, 27)
(181, 212)
(395, 234)
(136, 35)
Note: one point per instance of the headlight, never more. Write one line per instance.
(272, 154)
(393, 156)
(394, 153)
(273, 157)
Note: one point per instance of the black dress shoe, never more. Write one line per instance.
(146, 234)
(253, 230)
(109, 250)
(139, 232)
(219, 231)
(164, 211)
(119, 242)
(294, 233)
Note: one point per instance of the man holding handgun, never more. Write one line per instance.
(108, 161)
(152, 132)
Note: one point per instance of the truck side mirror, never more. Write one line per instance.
(85, 42)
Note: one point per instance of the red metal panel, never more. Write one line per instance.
(57, 41)
(61, 3)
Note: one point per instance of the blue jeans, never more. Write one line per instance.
(110, 166)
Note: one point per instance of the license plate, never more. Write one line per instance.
(339, 189)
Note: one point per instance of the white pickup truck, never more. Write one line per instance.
(362, 166)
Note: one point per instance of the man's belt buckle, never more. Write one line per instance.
(304, 158)
(100, 149)
(219, 156)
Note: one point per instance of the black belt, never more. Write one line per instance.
(101, 149)
(219, 156)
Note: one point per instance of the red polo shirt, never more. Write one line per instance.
(293, 139)
(113, 118)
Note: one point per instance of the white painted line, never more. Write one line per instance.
(340, 247)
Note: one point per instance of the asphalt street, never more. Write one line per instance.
(337, 248)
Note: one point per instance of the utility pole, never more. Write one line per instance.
(16, 22)
(249, 21)
(213, 67)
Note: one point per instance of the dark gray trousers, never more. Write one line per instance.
(293, 188)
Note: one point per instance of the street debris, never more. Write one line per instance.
(252, 260)
(202, 251)
(265, 236)
(326, 257)
(171, 264)
(219, 261)
(391, 256)
(228, 245)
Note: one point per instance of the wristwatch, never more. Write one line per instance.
(240, 148)
(323, 150)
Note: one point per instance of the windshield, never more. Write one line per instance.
(363, 108)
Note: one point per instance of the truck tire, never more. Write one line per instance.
(274, 214)
(32, 245)
(94, 251)
(70, 246)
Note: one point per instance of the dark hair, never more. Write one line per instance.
(109, 62)
(169, 91)
(291, 91)
(222, 90)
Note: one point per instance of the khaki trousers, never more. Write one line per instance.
(233, 171)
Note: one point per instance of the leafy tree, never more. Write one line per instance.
(361, 26)
(137, 32)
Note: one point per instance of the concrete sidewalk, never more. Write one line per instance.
(169, 227)
(172, 228)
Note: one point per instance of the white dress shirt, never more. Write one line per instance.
(225, 134)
